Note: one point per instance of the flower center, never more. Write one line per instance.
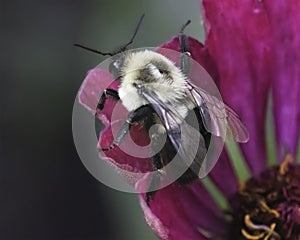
(268, 206)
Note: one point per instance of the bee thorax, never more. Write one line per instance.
(130, 97)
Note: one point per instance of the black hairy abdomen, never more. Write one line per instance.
(189, 175)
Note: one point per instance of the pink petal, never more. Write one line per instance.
(120, 157)
(224, 176)
(284, 18)
(184, 212)
(96, 81)
(238, 38)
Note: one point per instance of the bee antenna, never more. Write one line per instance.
(184, 26)
(124, 47)
(93, 50)
(121, 49)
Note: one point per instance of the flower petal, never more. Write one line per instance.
(284, 18)
(238, 38)
(96, 81)
(224, 176)
(184, 212)
(119, 156)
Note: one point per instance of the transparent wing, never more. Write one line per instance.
(217, 117)
(187, 140)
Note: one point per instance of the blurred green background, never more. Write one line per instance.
(45, 192)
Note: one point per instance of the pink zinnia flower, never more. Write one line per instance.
(252, 51)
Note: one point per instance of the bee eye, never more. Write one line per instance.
(161, 71)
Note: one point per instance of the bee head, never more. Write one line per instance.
(148, 71)
(147, 67)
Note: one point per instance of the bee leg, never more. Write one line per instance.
(156, 143)
(123, 131)
(185, 63)
(103, 97)
(135, 116)
(156, 178)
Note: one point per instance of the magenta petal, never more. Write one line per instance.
(224, 176)
(238, 38)
(121, 158)
(96, 81)
(184, 212)
(284, 18)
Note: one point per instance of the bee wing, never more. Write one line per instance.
(187, 140)
(217, 117)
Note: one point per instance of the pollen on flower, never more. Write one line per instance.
(242, 185)
(267, 209)
(267, 206)
(284, 166)
(259, 231)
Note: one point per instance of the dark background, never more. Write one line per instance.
(45, 191)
